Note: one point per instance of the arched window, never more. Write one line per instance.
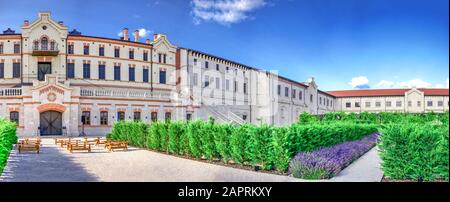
(44, 43)
(36, 45)
(52, 45)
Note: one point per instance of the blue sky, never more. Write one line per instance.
(344, 44)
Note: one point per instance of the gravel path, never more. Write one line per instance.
(55, 164)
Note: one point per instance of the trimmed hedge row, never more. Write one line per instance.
(374, 118)
(266, 146)
(415, 151)
(7, 139)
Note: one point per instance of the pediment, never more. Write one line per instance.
(45, 19)
(162, 42)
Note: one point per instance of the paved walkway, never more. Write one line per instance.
(57, 164)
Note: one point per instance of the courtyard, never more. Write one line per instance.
(56, 164)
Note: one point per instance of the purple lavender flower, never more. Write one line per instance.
(327, 162)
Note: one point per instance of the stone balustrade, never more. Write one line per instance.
(125, 93)
(11, 92)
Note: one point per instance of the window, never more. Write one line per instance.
(117, 73)
(245, 88)
(217, 67)
(103, 118)
(244, 117)
(145, 56)
(16, 70)
(117, 53)
(348, 104)
(86, 50)
(195, 79)
(120, 116)
(154, 116)
(328, 102)
(206, 65)
(14, 117)
(195, 61)
(357, 104)
(16, 48)
(388, 104)
(228, 69)
(398, 103)
(160, 58)
(44, 43)
(164, 58)
(70, 49)
(320, 100)
(367, 104)
(294, 93)
(286, 91)
(419, 103)
(162, 76)
(440, 103)
(2, 70)
(206, 81)
(188, 116)
(70, 70)
(131, 74)
(377, 104)
(300, 95)
(235, 86)
(217, 83)
(131, 54)
(430, 103)
(101, 72)
(101, 51)
(311, 98)
(227, 84)
(1, 48)
(168, 116)
(137, 116)
(145, 75)
(86, 71)
(279, 89)
(86, 117)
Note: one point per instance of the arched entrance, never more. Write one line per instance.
(50, 123)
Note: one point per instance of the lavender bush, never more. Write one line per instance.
(325, 163)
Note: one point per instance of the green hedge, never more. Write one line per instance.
(264, 145)
(7, 139)
(415, 151)
(374, 118)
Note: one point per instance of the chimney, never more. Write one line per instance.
(147, 41)
(61, 23)
(26, 23)
(136, 36)
(125, 34)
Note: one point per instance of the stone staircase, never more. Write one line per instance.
(222, 114)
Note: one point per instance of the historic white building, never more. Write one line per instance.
(56, 82)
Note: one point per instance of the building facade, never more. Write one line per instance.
(59, 82)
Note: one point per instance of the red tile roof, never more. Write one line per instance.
(387, 92)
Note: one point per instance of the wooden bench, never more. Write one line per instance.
(30, 141)
(102, 141)
(28, 146)
(117, 145)
(59, 140)
(79, 146)
(92, 140)
(70, 142)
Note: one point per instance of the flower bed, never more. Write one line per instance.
(7, 139)
(263, 146)
(327, 162)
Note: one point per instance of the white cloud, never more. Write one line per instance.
(415, 83)
(144, 32)
(359, 82)
(224, 11)
(385, 84)
(439, 85)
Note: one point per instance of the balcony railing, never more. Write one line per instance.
(9, 92)
(45, 50)
(117, 93)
